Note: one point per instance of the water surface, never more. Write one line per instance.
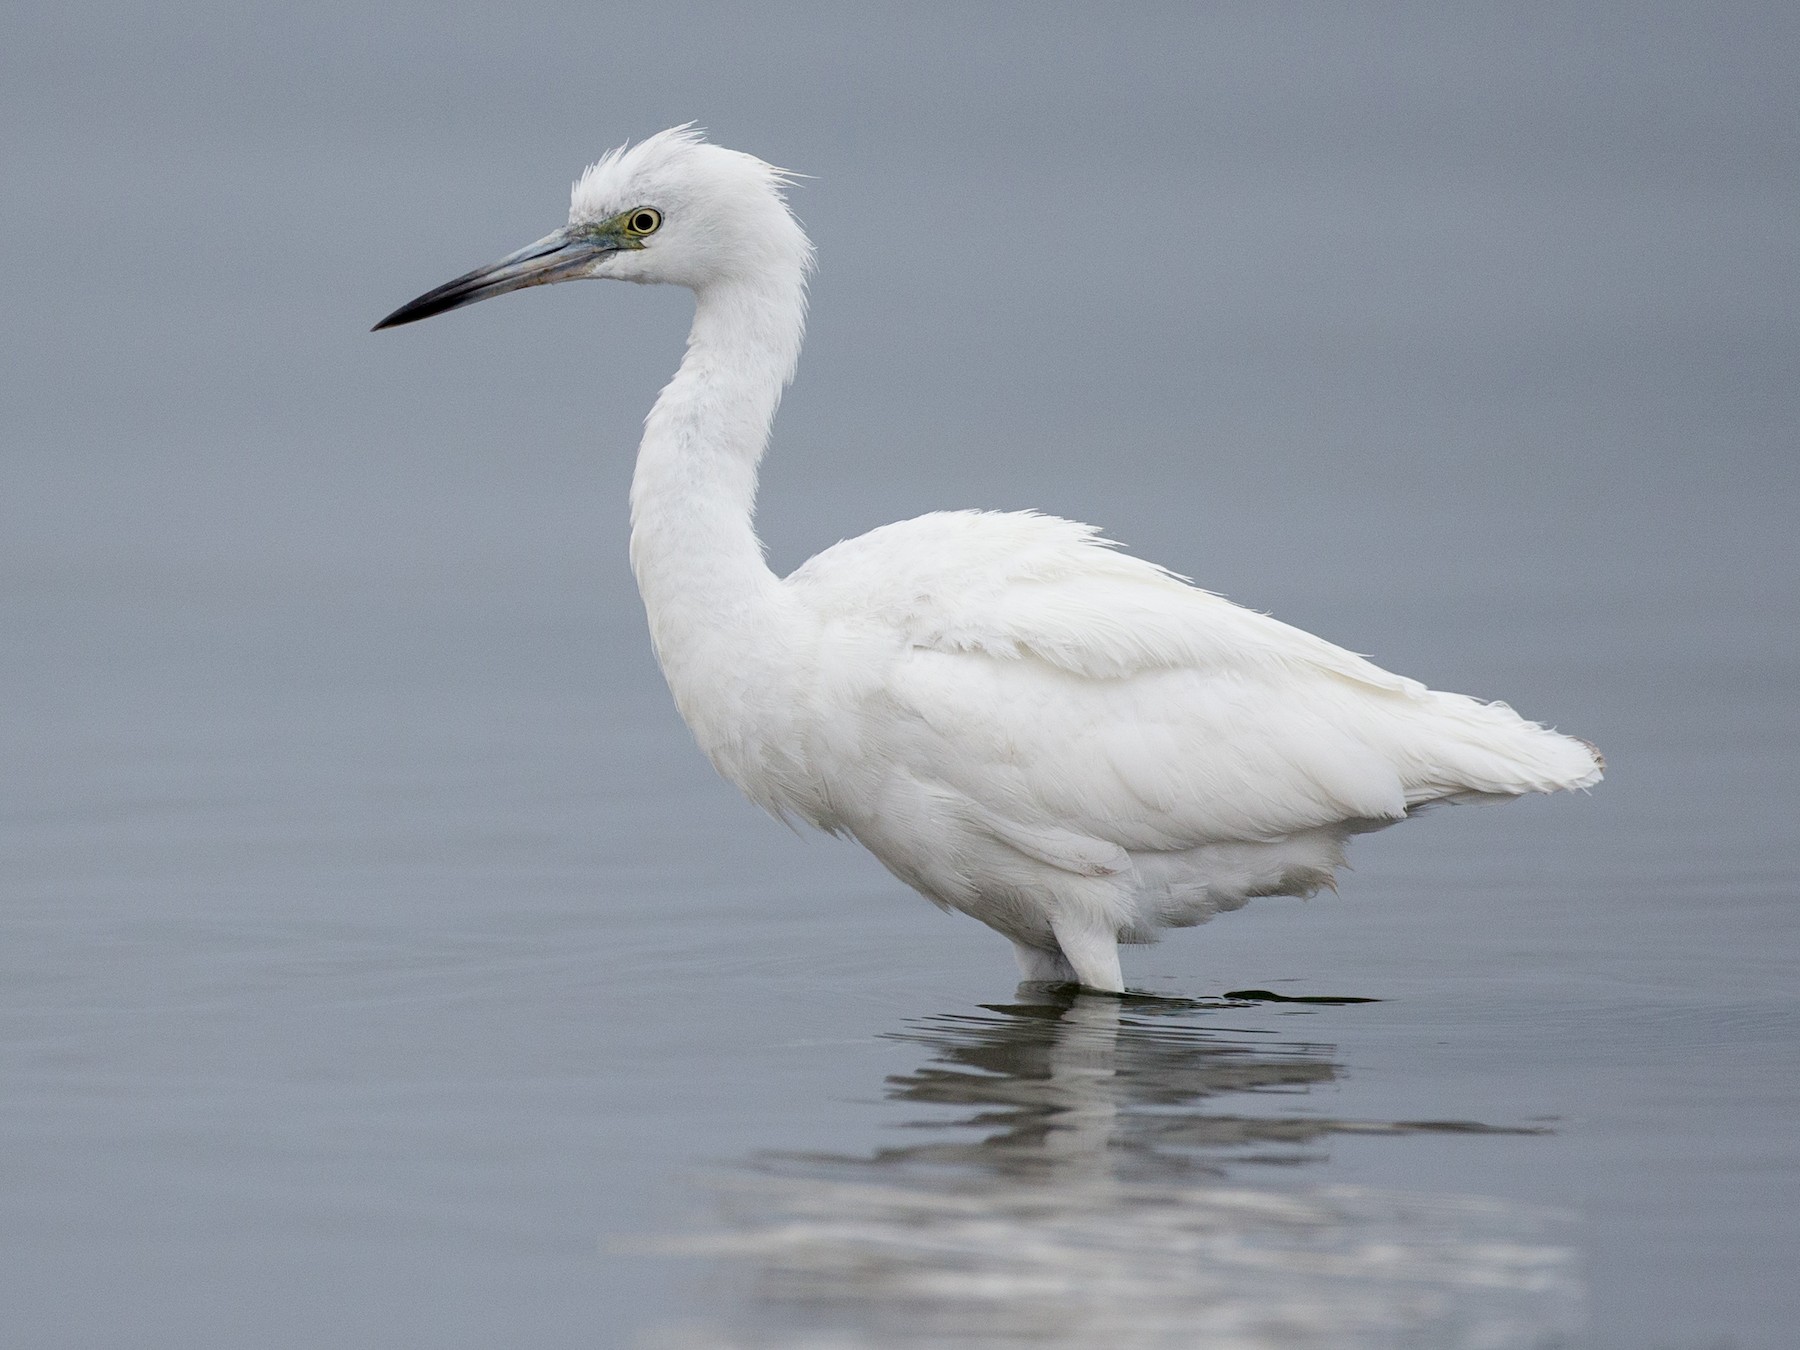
(381, 966)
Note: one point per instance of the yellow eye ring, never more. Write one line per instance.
(644, 220)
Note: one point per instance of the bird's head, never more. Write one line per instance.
(671, 208)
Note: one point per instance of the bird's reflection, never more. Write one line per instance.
(1076, 1083)
(1088, 1170)
(1066, 1085)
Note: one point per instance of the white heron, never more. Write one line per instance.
(1071, 745)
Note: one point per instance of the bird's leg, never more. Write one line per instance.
(1091, 948)
(1043, 965)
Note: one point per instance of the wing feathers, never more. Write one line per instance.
(1086, 703)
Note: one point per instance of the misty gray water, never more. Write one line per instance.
(381, 965)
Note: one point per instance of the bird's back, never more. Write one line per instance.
(1017, 671)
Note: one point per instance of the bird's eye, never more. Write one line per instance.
(644, 220)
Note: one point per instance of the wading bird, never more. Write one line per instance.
(1023, 723)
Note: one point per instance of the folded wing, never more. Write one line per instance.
(1084, 702)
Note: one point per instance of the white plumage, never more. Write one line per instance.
(1023, 723)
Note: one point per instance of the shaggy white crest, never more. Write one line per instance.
(724, 213)
(1022, 722)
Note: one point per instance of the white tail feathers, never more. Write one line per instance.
(1472, 749)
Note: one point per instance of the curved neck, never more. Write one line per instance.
(699, 564)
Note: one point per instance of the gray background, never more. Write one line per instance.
(376, 943)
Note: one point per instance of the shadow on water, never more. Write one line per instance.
(1095, 1171)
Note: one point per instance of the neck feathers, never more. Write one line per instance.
(711, 599)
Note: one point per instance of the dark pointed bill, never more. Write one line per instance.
(562, 256)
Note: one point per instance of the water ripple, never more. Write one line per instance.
(1076, 1187)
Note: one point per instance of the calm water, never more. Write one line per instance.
(380, 965)
(430, 998)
